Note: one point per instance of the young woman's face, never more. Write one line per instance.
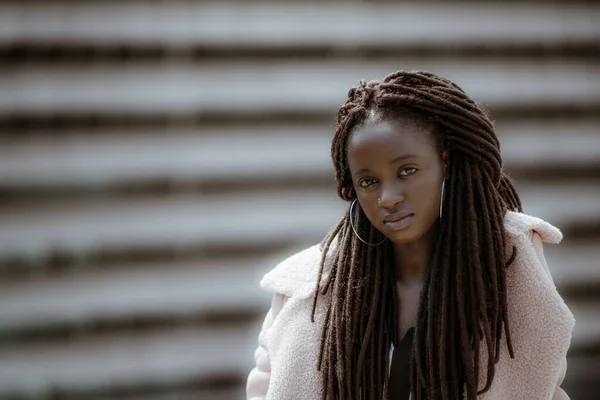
(397, 174)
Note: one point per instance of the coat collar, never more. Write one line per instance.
(297, 275)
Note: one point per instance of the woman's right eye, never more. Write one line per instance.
(366, 182)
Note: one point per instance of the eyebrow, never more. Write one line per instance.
(403, 157)
(395, 160)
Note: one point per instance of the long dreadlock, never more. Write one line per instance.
(463, 300)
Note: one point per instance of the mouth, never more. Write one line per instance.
(398, 221)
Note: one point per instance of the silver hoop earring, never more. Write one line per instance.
(354, 229)
(442, 199)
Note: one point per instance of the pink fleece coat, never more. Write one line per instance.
(540, 322)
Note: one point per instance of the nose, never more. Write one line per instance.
(390, 196)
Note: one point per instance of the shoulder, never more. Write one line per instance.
(294, 332)
(533, 298)
(540, 322)
(527, 234)
(297, 275)
(519, 224)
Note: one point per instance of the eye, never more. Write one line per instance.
(410, 170)
(365, 183)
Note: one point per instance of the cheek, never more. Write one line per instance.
(429, 198)
(425, 194)
(369, 206)
(425, 190)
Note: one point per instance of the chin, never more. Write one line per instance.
(403, 238)
(410, 234)
(407, 235)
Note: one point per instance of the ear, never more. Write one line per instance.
(446, 160)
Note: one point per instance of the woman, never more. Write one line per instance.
(434, 282)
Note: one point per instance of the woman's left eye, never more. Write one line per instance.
(411, 171)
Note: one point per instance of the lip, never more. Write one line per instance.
(396, 217)
(399, 221)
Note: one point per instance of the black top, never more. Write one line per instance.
(399, 382)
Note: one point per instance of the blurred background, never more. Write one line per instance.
(158, 157)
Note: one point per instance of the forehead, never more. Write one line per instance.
(392, 137)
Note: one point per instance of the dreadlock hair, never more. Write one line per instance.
(463, 300)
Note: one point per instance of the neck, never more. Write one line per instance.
(412, 259)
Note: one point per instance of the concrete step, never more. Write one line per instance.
(547, 201)
(581, 380)
(179, 88)
(586, 333)
(180, 155)
(289, 24)
(562, 143)
(229, 393)
(36, 229)
(186, 289)
(166, 357)
(177, 221)
(195, 155)
(574, 264)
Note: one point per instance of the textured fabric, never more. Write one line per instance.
(540, 322)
